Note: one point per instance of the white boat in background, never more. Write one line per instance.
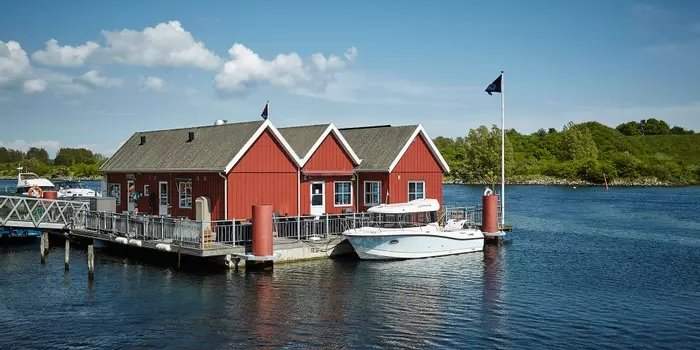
(410, 230)
(70, 189)
(33, 185)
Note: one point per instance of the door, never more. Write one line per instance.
(318, 198)
(163, 198)
(131, 195)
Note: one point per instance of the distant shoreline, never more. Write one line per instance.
(552, 181)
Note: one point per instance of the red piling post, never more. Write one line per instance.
(262, 230)
(489, 216)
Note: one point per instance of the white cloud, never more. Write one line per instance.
(65, 56)
(34, 86)
(94, 79)
(14, 64)
(166, 44)
(246, 69)
(153, 83)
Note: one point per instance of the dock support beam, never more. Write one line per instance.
(91, 261)
(44, 246)
(66, 258)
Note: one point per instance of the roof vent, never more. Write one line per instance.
(190, 136)
(220, 122)
(143, 140)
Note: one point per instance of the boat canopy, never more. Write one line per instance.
(414, 206)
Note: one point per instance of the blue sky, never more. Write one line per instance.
(119, 67)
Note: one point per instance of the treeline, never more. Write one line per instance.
(647, 152)
(69, 162)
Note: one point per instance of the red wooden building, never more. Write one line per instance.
(305, 170)
(399, 163)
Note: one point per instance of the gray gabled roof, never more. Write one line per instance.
(302, 138)
(378, 146)
(212, 149)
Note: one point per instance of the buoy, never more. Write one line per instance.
(262, 230)
(489, 215)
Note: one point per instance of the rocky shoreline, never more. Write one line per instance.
(554, 181)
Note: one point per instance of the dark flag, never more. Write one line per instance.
(265, 110)
(495, 86)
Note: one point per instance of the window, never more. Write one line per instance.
(146, 190)
(343, 193)
(163, 191)
(373, 190)
(416, 190)
(184, 188)
(115, 190)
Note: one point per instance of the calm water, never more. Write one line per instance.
(585, 269)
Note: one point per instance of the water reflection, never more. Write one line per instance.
(493, 315)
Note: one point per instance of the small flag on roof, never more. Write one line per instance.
(265, 110)
(495, 86)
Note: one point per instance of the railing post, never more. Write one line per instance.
(162, 228)
(327, 231)
(298, 227)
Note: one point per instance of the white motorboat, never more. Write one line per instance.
(410, 230)
(70, 189)
(32, 184)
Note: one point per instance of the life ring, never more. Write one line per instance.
(488, 192)
(35, 191)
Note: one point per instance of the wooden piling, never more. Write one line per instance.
(178, 259)
(44, 246)
(66, 259)
(91, 261)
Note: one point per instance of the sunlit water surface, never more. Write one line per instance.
(584, 269)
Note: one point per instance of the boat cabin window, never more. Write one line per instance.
(416, 190)
(373, 190)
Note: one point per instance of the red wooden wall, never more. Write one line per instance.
(417, 164)
(330, 156)
(379, 176)
(265, 175)
(209, 185)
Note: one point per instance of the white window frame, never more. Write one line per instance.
(408, 189)
(379, 192)
(146, 190)
(179, 194)
(118, 198)
(160, 193)
(129, 194)
(335, 192)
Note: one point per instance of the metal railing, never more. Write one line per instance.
(58, 214)
(184, 232)
(18, 211)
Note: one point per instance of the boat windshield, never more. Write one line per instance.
(28, 176)
(403, 220)
(69, 184)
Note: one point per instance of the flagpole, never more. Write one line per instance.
(503, 150)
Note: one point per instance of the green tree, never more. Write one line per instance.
(70, 156)
(39, 154)
(654, 126)
(630, 129)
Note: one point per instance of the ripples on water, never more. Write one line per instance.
(585, 269)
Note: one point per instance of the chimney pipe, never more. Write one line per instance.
(143, 140)
(190, 136)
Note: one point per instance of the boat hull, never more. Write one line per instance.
(409, 245)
